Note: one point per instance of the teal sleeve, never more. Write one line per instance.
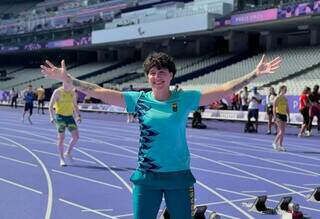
(131, 99)
(192, 98)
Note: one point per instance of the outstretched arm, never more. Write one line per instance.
(106, 95)
(213, 94)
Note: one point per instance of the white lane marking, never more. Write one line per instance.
(215, 152)
(124, 215)
(266, 168)
(222, 173)
(20, 186)
(250, 196)
(109, 169)
(86, 208)
(263, 149)
(18, 161)
(305, 146)
(312, 184)
(259, 158)
(56, 155)
(99, 210)
(254, 191)
(251, 174)
(114, 145)
(294, 162)
(24, 138)
(296, 186)
(87, 179)
(108, 153)
(93, 158)
(225, 199)
(45, 170)
(8, 145)
(248, 199)
(236, 193)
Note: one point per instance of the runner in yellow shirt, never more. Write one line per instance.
(282, 116)
(64, 100)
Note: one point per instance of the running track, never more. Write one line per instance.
(231, 168)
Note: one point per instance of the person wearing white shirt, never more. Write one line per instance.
(253, 108)
(244, 99)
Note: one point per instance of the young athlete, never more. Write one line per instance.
(282, 116)
(64, 100)
(163, 157)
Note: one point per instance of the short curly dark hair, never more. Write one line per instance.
(159, 60)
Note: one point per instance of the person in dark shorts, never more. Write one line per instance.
(14, 97)
(253, 108)
(282, 116)
(64, 100)
(244, 95)
(29, 97)
(304, 105)
(314, 110)
(197, 119)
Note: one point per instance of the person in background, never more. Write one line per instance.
(304, 105)
(253, 108)
(282, 116)
(244, 99)
(87, 99)
(40, 97)
(28, 97)
(197, 119)
(234, 101)
(269, 102)
(314, 109)
(14, 96)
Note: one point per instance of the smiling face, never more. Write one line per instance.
(160, 70)
(159, 79)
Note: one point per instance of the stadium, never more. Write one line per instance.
(200, 52)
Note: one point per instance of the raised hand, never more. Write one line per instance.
(265, 67)
(54, 72)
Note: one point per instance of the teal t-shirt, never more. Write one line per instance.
(163, 145)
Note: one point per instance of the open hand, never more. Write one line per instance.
(265, 67)
(54, 72)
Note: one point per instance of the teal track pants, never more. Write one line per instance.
(146, 202)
